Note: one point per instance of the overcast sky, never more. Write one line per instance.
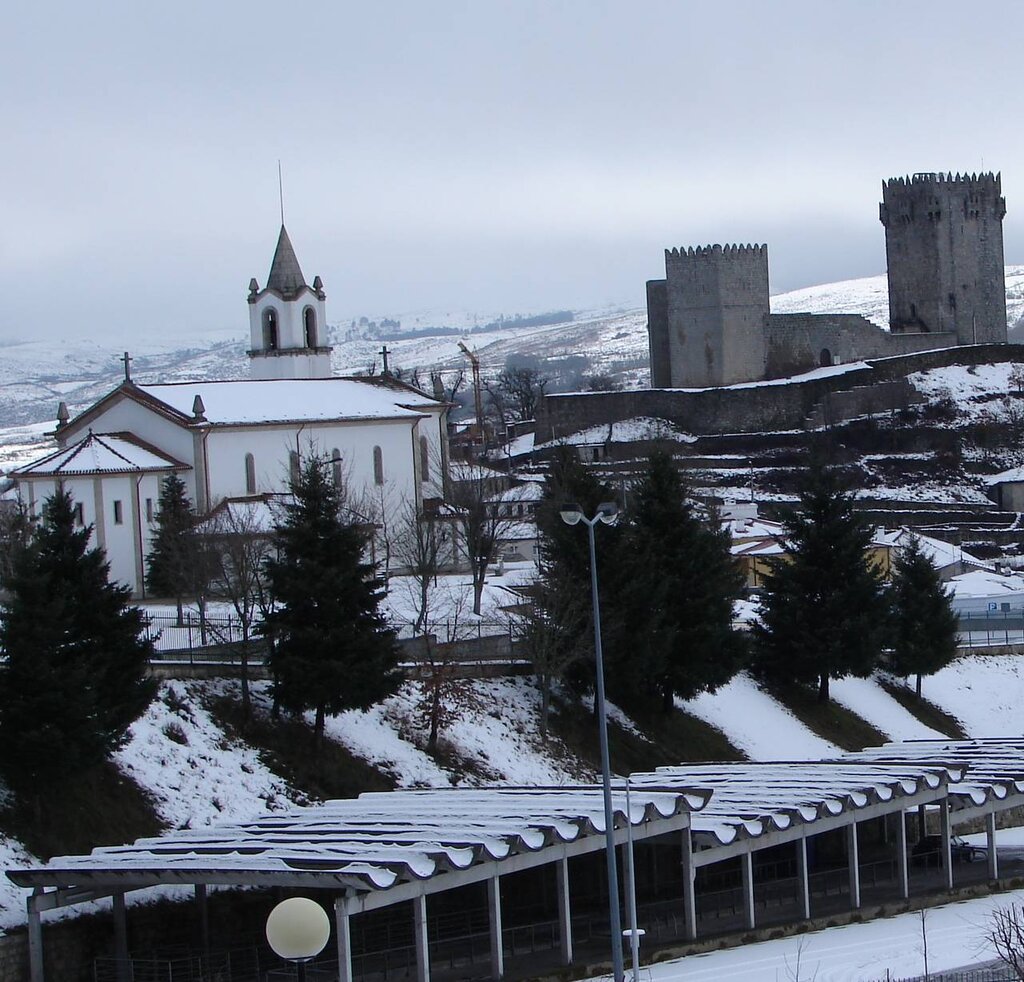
(480, 156)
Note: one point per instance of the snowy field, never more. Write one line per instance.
(855, 952)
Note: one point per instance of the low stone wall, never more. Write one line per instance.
(784, 404)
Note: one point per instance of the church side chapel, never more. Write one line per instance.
(242, 439)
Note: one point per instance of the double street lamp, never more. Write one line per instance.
(572, 514)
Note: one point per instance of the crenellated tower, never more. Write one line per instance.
(288, 321)
(944, 250)
(706, 318)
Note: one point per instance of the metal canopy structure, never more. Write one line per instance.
(386, 848)
(373, 851)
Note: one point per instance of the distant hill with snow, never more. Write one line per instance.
(36, 375)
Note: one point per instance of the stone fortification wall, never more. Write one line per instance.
(944, 249)
(716, 302)
(782, 405)
(799, 342)
(657, 334)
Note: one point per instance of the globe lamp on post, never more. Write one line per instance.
(572, 514)
(298, 929)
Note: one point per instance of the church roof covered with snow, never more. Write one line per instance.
(101, 453)
(255, 402)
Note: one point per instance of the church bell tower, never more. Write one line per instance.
(288, 321)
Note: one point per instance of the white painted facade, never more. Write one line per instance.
(114, 485)
(244, 438)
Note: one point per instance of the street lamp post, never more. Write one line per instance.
(572, 514)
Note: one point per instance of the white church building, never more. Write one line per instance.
(245, 438)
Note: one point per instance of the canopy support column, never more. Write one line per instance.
(341, 923)
(947, 851)
(35, 943)
(419, 908)
(901, 854)
(564, 910)
(494, 909)
(203, 910)
(689, 893)
(853, 861)
(748, 889)
(990, 837)
(121, 938)
(801, 875)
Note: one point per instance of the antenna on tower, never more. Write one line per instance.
(280, 189)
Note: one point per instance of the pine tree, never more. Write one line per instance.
(564, 567)
(678, 583)
(924, 626)
(175, 566)
(74, 676)
(822, 610)
(331, 647)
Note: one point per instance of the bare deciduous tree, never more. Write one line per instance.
(1006, 936)
(479, 522)
(522, 389)
(422, 543)
(240, 541)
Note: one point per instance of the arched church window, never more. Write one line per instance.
(424, 459)
(309, 326)
(293, 466)
(826, 358)
(336, 466)
(270, 336)
(250, 474)
(378, 466)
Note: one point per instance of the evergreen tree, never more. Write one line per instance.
(331, 647)
(924, 625)
(678, 583)
(822, 610)
(74, 676)
(176, 566)
(564, 567)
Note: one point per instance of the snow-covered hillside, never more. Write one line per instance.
(198, 774)
(37, 374)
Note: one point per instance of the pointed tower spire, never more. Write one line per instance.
(285, 275)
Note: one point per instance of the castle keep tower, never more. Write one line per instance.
(288, 321)
(944, 249)
(706, 318)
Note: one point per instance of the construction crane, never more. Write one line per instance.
(478, 398)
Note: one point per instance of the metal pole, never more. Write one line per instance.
(634, 937)
(606, 774)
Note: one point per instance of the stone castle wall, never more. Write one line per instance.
(799, 342)
(757, 406)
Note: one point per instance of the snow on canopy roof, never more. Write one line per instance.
(268, 401)
(254, 515)
(752, 799)
(994, 766)
(97, 453)
(372, 842)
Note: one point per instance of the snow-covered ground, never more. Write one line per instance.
(855, 952)
(757, 724)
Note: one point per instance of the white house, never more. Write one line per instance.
(232, 439)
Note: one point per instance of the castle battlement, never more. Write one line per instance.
(977, 181)
(732, 251)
